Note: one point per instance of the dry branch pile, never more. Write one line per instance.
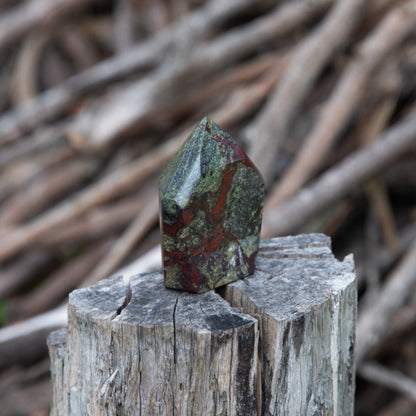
(96, 96)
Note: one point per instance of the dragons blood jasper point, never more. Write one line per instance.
(211, 203)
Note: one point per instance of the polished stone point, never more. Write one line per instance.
(211, 205)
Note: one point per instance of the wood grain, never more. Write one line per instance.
(279, 342)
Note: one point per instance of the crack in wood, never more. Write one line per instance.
(290, 256)
(174, 328)
(292, 247)
(127, 296)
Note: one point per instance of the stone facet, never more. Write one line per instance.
(211, 204)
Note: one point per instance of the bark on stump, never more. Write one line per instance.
(280, 342)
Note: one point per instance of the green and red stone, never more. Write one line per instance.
(211, 204)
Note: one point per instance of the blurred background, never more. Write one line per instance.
(96, 97)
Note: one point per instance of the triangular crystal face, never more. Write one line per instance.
(211, 202)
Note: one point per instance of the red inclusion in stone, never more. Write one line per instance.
(210, 223)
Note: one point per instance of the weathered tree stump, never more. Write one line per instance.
(305, 302)
(280, 342)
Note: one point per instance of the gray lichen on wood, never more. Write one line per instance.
(279, 342)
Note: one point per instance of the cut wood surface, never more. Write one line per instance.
(279, 342)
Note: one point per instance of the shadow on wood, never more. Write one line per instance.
(279, 342)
